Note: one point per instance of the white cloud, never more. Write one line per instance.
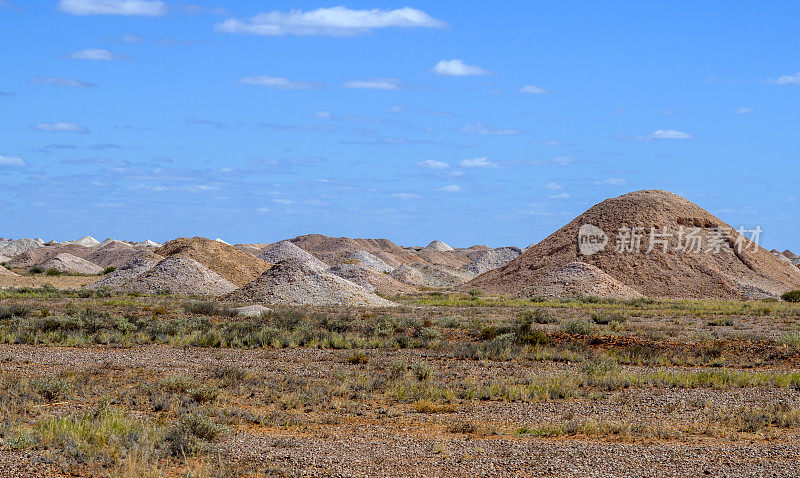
(62, 127)
(283, 201)
(533, 90)
(12, 162)
(669, 134)
(612, 182)
(480, 128)
(477, 163)
(375, 84)
(278, 82)
(458, 68)
(451, 188)
(67, 82)
(744, 111)
(560, 196)
(148, 8)
(433, 164)
(565, 160)
(323, 115)
(405, 196)
(554, 186)
(789, 79)
(95, 54)
(397, 109)
(336, 21)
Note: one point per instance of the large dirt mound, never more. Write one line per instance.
(234, 265)
(141, 263)
(68, 263)
(292, 282)
(113, 254)
(730, 272)
(285, 250)
(578, 279)
(484, 261)
(179, 275)
(37, 257)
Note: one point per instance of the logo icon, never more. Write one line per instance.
(591, 239)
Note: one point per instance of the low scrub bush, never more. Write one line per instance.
(577, 327)
(791, 296)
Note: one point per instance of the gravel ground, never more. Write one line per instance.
(371, 439)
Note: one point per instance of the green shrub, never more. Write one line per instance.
(208, 308)
(791, 296)
(52, 272)
(51, 388)
(577, 327)
(109, 270)
(36, 270)
(721, 322)
(605, 318)
(538, 316)
(14, 310)
(358, 358)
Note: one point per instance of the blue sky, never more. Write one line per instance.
(473, 123)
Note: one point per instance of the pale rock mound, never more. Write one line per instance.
(86, 241)
(371, 280)
(292, 282)
(37, 257)
(424, 275)
(730, 272)
(148, 243)
(365, 259)
(66, 262)
(234, 265)
(4, 258)
(18, 246)
(439, 246)
(220, 240)
(286, 250)
(6, 272)
(141, 263)
(578, 279)
(179, 275)
(484, 261)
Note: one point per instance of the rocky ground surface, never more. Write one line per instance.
(440, 386)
